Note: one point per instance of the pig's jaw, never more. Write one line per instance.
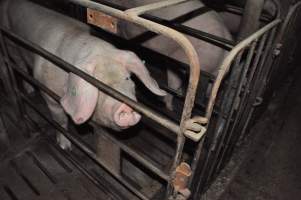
(125, 117)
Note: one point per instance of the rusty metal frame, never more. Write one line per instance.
(230, 58)
(132, 15)
(187, 125)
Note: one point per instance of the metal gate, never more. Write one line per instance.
(222, 117)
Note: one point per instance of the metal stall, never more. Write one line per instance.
(215, 113)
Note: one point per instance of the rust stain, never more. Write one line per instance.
(182, 175)
(102, 20)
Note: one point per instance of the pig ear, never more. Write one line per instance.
(134, 65)
(80, 97)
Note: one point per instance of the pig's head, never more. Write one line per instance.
(82, 100)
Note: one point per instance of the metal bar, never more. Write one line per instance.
(223, 71)
(229, 59)
(168, 32)
(85, 149)
(191, 54)
(247, 108)
(153, 6)
(259, 91)
(226, 134)
(133, 154)
(126, 149)
(101, 86)
(213, 39)
(143, 37)
(225, 67)
(221, 122)
(243, 105)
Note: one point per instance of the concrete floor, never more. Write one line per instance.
(269, 168)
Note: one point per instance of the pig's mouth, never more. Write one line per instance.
(125, 116)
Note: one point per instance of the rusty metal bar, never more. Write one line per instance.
(165, 31)
(225, 67)
(239, 84)
(126, 149)
(199, 34)
(229, 59)
(101, 86)
(191, 54)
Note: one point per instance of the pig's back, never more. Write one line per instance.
(210, 22)
(40, 25)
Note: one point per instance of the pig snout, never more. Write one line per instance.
(125, 116)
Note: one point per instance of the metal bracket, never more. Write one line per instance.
(102, 20)
(195, 128)
(182, 175)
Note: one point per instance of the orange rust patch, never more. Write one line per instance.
(102, 20)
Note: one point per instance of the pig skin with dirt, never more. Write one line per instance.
(71, 40)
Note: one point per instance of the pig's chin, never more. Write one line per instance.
(125, 117)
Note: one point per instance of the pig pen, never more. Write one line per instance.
(162, 157)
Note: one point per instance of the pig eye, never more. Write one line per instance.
(127, 78)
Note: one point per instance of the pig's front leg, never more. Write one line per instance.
(60, 117)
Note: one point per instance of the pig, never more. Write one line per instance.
(71, 40)
(210, 56)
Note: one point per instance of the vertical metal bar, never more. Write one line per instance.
(243, 108)
(249, 107)
(221, 123)
(231, 112)
(266, 53)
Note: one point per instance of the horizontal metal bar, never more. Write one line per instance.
(207, 37)
(133, 154)
(101, 86)
(213, 39)
(178, 37)
(145, 36)
(148, 54)
(154, 6)
(85, 149)
(125, 148)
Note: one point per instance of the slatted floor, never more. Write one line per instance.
(43, 171)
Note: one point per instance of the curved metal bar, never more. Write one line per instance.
(168, 32)
(163, 121)
(228, 61)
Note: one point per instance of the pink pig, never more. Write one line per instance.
(70, 40)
